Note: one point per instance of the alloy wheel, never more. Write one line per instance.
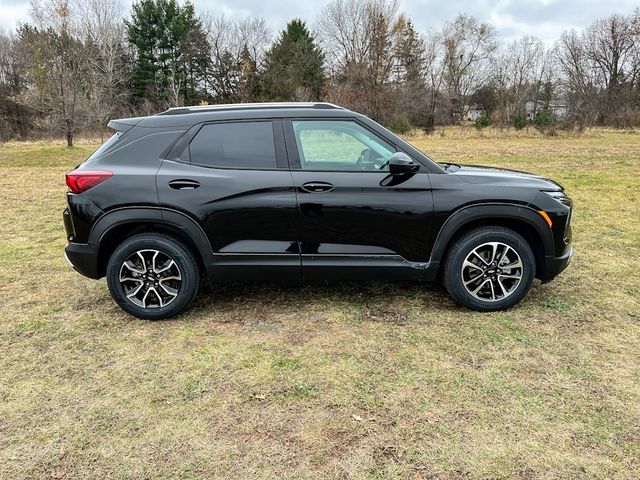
(492, 271)
(150, 278)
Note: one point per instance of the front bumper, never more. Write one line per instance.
(553, 266)
(83, 258)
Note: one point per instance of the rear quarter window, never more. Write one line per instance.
(106, 145)
(234, 145)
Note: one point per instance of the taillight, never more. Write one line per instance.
(82, 180)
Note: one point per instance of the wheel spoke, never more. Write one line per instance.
(131, 279)
(158, 296)
(516, 264)
(171, 291)
(479, 256)
(144, 298)
(136, 291)
(153, 262)
(502, 275)
(505, 254)
(155, 292)
(144, 261)
(473, 280)
(173, 277)
(481, 285)
(165, 268)
(494, 252)
(469, 264)
(131, 266)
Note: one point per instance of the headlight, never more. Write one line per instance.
(560, 196)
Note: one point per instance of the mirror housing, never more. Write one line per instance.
(400, 163)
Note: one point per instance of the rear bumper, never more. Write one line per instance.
(553, 266)
(83, 258)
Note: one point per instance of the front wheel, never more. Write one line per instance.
(489, 269)
(152, 276)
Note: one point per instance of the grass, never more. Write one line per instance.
(329, 381)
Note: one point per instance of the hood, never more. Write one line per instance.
(502, 177)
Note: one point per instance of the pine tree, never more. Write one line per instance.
(172, 52)
(294, 66)
(249, 81)
(408, 52)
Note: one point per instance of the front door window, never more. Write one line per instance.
(340, 145)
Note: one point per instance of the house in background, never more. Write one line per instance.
(557, 108)
(474, 112)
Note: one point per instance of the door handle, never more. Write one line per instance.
(317, 187)
(184, 184)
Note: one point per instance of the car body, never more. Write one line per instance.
(275, 192)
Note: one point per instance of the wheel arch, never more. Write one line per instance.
(116, 226)
(522, 219)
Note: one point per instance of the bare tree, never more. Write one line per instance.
(357, 36)
(468, 48)
(254, 34)
(345, 33)
(600, 71)
(15, 119)
(56, 62)
(234, 46)
(518, 73)
(608, 45)
(102, 27)
(575, 78)
(433, 68)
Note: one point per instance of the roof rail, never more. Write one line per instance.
(248, 106)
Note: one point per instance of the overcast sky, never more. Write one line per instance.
(512, 18)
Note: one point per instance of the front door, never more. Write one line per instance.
(353, 213)
(234, 178)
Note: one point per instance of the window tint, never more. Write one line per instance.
(340, 145)
(234, 145)
(106, 145)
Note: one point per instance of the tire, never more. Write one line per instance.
(150, 285)
(487, 286)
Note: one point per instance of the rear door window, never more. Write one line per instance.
(235, 145)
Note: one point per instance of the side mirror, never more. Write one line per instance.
(401, 163)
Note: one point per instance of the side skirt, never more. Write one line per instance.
(239, 267)
(309, 267)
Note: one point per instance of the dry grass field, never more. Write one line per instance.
(356, 381)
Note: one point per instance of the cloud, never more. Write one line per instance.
(512, 18)
(545, 19)
(12, 13)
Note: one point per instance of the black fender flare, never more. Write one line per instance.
(488, 211)
(164, 216)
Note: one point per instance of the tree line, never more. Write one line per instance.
(78, 63)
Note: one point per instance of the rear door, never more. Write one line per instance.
(356, 220)
(233, 178)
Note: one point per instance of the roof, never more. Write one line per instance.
(187, 116)
(248, 106)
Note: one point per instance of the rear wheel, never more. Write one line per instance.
(152, 276)
(489, 268)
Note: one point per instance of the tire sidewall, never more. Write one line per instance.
(182, 257)
(460, 251)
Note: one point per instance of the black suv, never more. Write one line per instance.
(299, 191)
